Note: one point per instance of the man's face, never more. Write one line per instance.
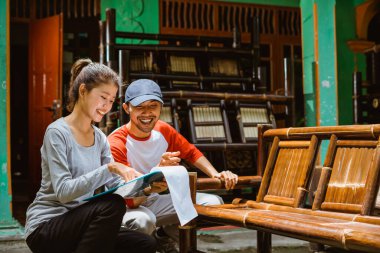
(143, 117)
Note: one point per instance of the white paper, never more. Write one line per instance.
(177, 179)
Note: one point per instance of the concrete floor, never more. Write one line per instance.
(240, 240)
(219, 240)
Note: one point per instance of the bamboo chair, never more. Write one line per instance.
(285, 179)
(345, 197)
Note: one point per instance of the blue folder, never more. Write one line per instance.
(131, 188)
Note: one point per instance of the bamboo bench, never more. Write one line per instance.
(341, 213)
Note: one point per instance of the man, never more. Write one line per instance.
(145, 142)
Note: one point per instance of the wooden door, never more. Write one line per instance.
(45, 89)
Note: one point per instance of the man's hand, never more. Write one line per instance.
(127, 173)
(230, 179)
(135, 202)
(156, 187)
(170, 159)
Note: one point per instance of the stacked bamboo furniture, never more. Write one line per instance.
(209, 97)
(342, 211)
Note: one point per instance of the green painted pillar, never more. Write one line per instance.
(320, 76)
(9, 227)
(319, 50)
(328, 99)
(308, 52)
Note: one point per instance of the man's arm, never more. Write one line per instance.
(172, 159)
(179, 147)
(204, 165)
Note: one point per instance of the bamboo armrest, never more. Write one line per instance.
(215, 183)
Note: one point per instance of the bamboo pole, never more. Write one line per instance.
(253, 98)
(268, 170)
(372, 184)
(343, 132)
(306, 171)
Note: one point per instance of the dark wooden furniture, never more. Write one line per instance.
(195, 73)
(366, 93)
(278, 36)
(342, 211)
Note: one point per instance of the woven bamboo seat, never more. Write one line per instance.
(336, 232)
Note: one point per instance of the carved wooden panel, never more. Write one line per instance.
(278, 27)
(24, 10)
(212, 18)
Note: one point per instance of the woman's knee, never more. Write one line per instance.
(139, 221)
(116, 204)
(215, 200)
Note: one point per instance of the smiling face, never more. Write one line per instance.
(98, 101)
(143, 117)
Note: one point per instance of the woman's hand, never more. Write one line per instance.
(127, 173)
(230, 179)
(170, 159)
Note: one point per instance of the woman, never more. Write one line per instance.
(76, 160)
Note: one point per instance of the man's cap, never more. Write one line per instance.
(142, 90)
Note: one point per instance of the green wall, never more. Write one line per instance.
(134, 16)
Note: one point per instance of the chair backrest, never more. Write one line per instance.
(208, 122)
(166, 114)
(182, 64)
(169, 114)
(226, 67)
(288, 170)
(249, 116)
(143, 62)
(185, 65)
(350, 177)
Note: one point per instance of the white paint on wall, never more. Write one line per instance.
(326, 84)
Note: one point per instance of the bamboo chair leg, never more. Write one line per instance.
(188, 232)
(188, 238)
(264, 242)
(316, 247)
